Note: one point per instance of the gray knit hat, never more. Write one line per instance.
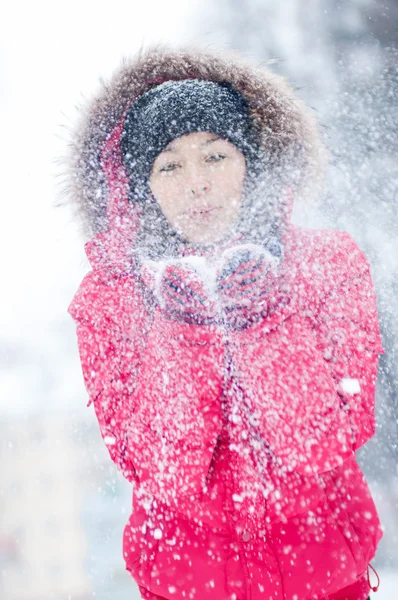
(176, 108)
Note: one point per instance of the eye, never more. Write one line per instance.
(169, 167)
(217, 157)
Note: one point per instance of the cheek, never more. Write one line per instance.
(230, 180)
(166, 193)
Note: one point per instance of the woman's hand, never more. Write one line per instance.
(235, 290)
(245, 283)
(184, 294)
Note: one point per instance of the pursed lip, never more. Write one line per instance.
(203, 210)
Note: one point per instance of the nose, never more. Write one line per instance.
(197, 184)
(199, 189)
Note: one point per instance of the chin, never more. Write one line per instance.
(206, 240)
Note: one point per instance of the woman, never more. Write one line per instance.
(230, 356)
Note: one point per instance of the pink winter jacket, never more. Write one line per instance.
(240, 444)
(309, 372)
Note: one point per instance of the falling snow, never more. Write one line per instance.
(237, 311)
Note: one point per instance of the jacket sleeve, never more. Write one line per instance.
(157, 403)
(109, 364)
(173, 432)
(101, 365)
(311, 378)
(346, 329)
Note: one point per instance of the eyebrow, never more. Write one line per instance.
(210, 141)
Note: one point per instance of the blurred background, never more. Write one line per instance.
(63, 505)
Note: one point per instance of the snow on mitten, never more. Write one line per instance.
(184, 293)
(245, 282)
(181, 290)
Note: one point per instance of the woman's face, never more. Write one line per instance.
(198, 181)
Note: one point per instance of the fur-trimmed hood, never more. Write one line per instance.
(288, 130)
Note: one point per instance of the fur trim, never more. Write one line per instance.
(284, 120)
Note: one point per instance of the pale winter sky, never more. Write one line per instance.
(51, 54)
